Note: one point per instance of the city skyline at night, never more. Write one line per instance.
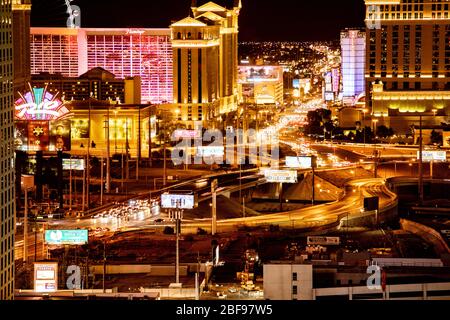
(260, 20)
(244, 151)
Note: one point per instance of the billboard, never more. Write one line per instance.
(80, 129)
(299, 162)
(177, 201)
(46, 277)
(281, 176)
(428, 156)
(187, 134)
(38, 135)
(60, 136)
(211, 151)
(333, 241)
(39, 104)
(73, 164)
(66, 237)
(371, 204)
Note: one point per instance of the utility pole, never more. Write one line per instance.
(88, 197)
(108, 155)
(101, 181)
(214, 186)
(420, 162)
(104, 264)
(177, 216)
(25, 229)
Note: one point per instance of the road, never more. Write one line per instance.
(313, 217)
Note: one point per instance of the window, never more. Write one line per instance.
(294, 276)
(294, 290)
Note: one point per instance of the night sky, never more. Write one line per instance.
(260, 20)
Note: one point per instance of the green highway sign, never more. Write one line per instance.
(66, 237)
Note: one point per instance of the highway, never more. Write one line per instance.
(314, 217)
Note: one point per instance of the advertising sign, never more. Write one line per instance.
(66, 237)
(299, 162)
(187, 134)
(323, 241)
(177, 201)
(39, 104)
(38, 135)
(60, 136)
(281, 176)
(211, 151)
(73, 164)
(428, 156)
(46, 277)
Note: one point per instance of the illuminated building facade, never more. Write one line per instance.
(205, 60)
(21, 36)
(353, 48)
(7, 195)
(128, 124)
(408, 55)
(146, 53)
(261, 84)
(98, 83)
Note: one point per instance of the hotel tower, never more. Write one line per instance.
(408, 62)
(205, 61)
(7, 204)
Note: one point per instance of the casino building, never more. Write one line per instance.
(205, 61)
(408, 62)
(146, 53)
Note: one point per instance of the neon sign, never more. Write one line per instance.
(39, 104)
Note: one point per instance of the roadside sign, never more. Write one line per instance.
(66, 237)
(73, 164)
(45, 277)
(333, 241)
(177, 201)
(281, 176)
(303, 162)
(429, 156)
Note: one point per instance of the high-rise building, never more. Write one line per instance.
(408, 61)
(21, 34)
(124, 52)
(205, 68)
(96, 83)
(7, 195)
(353, 48)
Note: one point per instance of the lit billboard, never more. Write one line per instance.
(299, 162)
(281, 176)
(323, 241)
(46, 277)
(211, 151)
(39, 104)
(428, 156)
(186, 134)
(177, 201)
(60, 136)
(73, 164)
(66, 237)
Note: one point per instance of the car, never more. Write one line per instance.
(159, 220)
(232, 290)
(221, 295)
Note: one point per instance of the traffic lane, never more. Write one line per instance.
(341, 153)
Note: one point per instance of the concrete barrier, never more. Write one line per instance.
(427, 233)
